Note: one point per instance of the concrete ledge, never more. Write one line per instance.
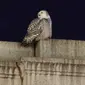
(54, 71)
(43, 71)
(71, 49)
(57, 62)
(9, 73)
(13, 51)
(53, 60)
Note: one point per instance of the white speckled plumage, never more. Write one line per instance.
(39, 28)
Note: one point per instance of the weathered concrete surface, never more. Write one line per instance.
(43, 71)
(71, 49)
(9, 74)
(54, 71)
(61, 48)
(57, 62)
(14, 51)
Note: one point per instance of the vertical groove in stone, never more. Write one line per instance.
(67, 72)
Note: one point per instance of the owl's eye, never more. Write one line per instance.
(41, 12)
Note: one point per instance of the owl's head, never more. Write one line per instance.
(43, 14)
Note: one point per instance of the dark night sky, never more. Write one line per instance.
(67, 18)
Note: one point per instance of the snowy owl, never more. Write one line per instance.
(40, 28)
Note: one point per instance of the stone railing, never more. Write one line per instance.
(56, 62)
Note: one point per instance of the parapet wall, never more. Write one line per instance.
(70, 49)
(43, 71)
(57, 62)
(13, 51)
(54, 71)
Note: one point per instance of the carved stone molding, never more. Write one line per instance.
(51, 73)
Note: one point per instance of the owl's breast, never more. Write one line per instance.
(46, 31)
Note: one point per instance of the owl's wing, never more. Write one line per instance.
(34, 29)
